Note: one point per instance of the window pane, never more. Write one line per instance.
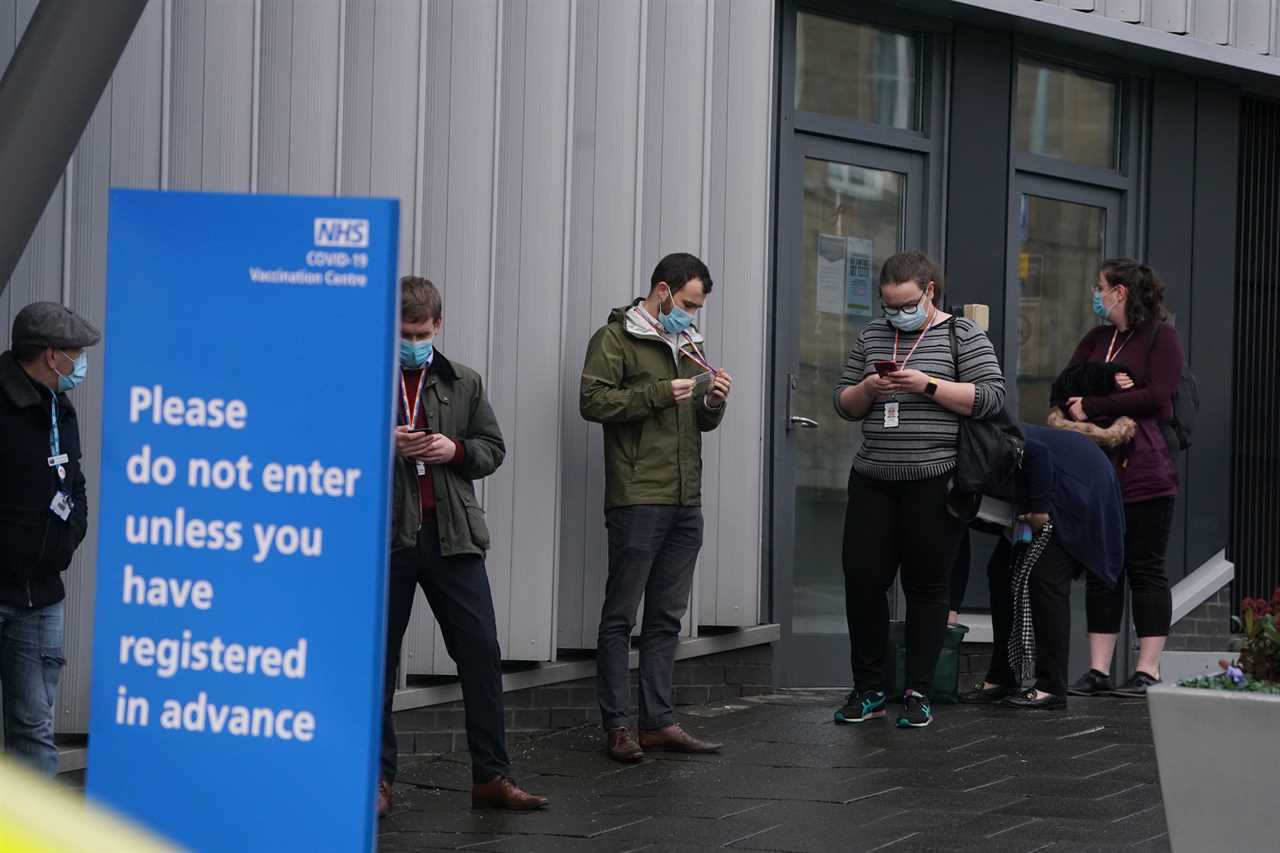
(853, 220)
(1066, 114)
(1062, 247)
(857, 71)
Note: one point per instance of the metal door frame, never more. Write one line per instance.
(806, 659)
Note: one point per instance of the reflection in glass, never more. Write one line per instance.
(857, 71)
(1066, 114)
(1062, 245)
(853, 220)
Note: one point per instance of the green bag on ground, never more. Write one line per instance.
(946, 675)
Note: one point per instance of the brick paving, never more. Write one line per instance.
(980, 779)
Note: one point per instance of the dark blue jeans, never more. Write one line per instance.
(457, 588)
(30, 665)
(652, 553)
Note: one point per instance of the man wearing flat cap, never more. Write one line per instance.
(43, 516)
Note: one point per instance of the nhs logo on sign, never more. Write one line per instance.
(351, 233)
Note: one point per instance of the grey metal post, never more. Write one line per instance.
(47, 96)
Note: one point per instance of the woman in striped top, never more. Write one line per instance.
(903, 384)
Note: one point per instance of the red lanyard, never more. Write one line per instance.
(903, 366)
(1111, 356)
(696, 356)
(411, 414)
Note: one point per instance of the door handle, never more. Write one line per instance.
(795, 421)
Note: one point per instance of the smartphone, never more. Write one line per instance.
(422, 430)
(884, 368)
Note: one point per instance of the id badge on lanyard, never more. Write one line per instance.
(61, 503)
(411, 415)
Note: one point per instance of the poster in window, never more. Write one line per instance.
(858, 284)
(831, 274)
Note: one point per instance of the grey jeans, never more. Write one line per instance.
(652, 553)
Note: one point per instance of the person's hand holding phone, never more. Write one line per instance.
(877, 385)
(410, 444)
(440, 449)
(907, 381)
(1124, 381)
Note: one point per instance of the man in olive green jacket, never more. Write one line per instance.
(447, 436)
(648, 380)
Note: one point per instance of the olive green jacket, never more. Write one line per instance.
(652, 447)
(455, 406)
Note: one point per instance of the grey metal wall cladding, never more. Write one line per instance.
(545, 154)
(1249, 27)
(1255, 494)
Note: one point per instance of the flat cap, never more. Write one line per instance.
(50, 324)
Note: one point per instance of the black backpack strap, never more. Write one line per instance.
(1154, 336)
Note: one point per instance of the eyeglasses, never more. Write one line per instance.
(905, 309)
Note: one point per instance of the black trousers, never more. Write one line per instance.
(960, 572)
(1050, 612)
(1146, 542)
(457, 588)
(890, 524)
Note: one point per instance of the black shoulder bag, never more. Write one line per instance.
(988, 450)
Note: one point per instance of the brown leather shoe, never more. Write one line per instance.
(623, 747)
(502, 793)
(674, 739)
(384, 797)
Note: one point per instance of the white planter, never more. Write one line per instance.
(1218, 753)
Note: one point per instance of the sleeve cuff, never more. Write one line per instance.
(459, 453)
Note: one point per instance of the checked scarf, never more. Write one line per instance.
(1022, 637)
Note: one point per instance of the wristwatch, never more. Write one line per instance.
(932, 387)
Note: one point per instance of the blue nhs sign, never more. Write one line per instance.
(245, 517)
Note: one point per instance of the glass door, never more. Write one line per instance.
(1060, 233)
(845, 208)
(1063, 232)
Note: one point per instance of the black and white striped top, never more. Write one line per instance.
(923, 445)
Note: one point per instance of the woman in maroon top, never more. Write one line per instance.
(1130, 297)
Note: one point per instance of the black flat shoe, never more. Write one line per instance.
(982, 695)
(1029, 701)
(1092, 683)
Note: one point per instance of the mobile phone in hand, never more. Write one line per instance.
(421, 431)
(884, 368)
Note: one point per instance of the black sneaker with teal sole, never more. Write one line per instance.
(860, 706)
(916, 713)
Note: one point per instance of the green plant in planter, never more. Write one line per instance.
(1258, 668)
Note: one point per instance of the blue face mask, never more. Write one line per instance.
(1100, 305)
(677, 320)
(909, 322)
(414, 354)
(79, 369)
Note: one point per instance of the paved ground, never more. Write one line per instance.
(980, 779)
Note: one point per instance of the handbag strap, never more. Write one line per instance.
(955, 349)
